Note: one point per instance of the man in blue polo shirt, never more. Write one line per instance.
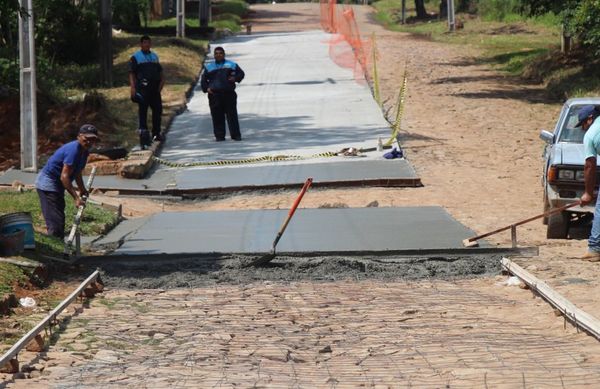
(64, 166)
(146, 82)
(591, 143)
(218, 80)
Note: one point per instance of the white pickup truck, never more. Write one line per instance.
(563, 168)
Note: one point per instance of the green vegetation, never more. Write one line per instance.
(235, 7)
(516, 36)
(9, 275)
(227, 14)
(67, 48)
(95, 220)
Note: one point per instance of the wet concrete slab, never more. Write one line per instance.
(158, 181)
(294, 100)
(310, 231)
(359, 171)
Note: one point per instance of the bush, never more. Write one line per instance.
(498, 10)
(9, 74)
(236, 7)
(126, 13)
(230, 17)
(585, 24)
(66, 32)
(225, 24)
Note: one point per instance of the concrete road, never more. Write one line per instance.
(294, 100)
(310, 231)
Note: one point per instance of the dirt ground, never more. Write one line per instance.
(470, 132)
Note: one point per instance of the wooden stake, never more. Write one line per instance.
(575, 315)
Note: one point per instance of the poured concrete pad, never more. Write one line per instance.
(359, 171)
(294, 100)
(159, 181)
(311, 230)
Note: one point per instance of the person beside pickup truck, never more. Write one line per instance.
(591, 143)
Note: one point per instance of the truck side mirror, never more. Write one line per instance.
(547, 136)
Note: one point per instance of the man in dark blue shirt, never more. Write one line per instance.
(146, 82)
(218, 80)
(64, 166)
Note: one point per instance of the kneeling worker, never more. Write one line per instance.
(64, 166)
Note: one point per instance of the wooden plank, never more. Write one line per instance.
(10, 356)
(17, 262)
(577, 316)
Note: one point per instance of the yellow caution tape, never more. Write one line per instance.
(266, 158)
(399, 110)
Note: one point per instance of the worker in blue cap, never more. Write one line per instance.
(591, 143)
(64, 167)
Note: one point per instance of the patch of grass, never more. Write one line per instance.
(9, 275)
(141, 308)
(172, 22)
(236, 7)
(510, 45)
(230, 25)
(110, 304)
(528, 47)
(151, 342)
(117, 345)
(95, 221)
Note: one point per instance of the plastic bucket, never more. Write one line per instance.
(12, 243)
(12, 222)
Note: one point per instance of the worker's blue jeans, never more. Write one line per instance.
(53, 209)
(594, 241)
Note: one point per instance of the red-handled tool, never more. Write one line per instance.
(268, 257)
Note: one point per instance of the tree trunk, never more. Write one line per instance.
(420, 7)
(156, 9)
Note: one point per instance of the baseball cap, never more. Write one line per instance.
(88, 130)
(584, 113)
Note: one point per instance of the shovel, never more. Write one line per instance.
(472, 242)
(77, 221)
(269, 257)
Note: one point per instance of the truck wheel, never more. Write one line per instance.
(558, 225)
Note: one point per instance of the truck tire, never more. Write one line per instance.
(558, 225)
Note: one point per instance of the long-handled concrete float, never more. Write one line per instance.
(269, 257)
(472, 242)
(75, 228)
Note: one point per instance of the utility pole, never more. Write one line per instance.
(204, 13)
(180, 14)
(403, 18)
(106, 61)
(451, 19)
(28, 87)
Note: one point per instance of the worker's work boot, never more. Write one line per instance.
(145, 139)
(591, 256)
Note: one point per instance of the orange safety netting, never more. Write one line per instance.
(346, 48)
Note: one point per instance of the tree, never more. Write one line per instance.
(579, 18)
(127, 12)
(420, 7)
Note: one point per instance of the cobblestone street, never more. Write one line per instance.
(418, 334)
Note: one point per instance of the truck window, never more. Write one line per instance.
(570, 133)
